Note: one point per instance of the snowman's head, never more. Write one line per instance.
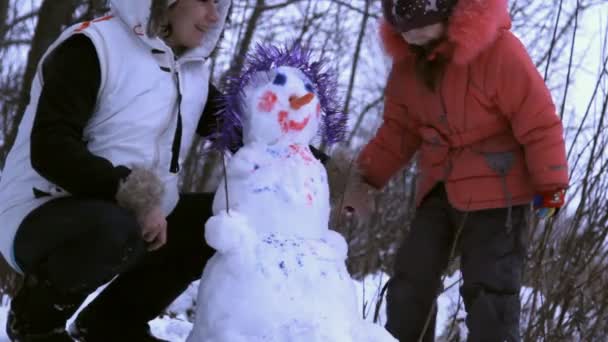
(280, 106)
(281, 98)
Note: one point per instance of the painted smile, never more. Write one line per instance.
(292, 125)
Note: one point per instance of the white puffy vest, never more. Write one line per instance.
(134, 121)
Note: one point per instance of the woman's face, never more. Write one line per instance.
(423, 35)
(190, 20)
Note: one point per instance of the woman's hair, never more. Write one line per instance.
(158, 24)
(429, 71)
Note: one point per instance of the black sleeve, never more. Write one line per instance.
(322, 157)
(208, 120)
(71, 77)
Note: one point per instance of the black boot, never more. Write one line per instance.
(39, 313)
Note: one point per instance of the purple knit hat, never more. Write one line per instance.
(405, 15)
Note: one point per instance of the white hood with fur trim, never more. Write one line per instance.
(136, 14)
(147, 97)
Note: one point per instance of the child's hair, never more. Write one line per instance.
(429, 71)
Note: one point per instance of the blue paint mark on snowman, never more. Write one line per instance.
(283, 267)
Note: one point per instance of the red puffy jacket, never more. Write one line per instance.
(490, 132)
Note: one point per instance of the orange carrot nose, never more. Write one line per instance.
(298, 102)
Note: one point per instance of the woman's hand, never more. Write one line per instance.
(141, 192)
(154, 228)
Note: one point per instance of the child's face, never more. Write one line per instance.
(424, 35)
(190, 20)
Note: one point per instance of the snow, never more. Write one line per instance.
(171, 329)
(450, 310)
(176, 325)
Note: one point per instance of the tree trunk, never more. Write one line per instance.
(239, 57)
(3, 19)
(52, 17)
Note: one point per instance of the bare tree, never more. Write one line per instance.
(566, 273)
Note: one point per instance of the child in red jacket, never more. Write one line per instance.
(465, 95)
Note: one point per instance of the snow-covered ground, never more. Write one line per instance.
(176, 327)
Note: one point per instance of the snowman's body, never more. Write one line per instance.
(279, 273)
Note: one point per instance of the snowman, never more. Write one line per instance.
(279, 273)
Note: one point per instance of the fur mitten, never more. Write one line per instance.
(141, 191)
(349, 192)
(342, 174)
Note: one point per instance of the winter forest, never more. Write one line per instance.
(564, 296)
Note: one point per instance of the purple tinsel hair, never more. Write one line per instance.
(267, 57)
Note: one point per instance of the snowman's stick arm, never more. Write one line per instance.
(226, 183)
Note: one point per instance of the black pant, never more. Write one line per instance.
(492, 261)
(79, 244)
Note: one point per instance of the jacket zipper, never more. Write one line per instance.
(449, 165)
(177, 137)
(174, 166)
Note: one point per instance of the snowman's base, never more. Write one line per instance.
(285, 289)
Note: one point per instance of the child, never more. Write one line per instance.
(465, 95)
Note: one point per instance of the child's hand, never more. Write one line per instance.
(548, 204)
(338, 167)
(347, 188)
(358, 199)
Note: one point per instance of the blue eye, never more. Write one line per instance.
(309, 88)
(280, 79)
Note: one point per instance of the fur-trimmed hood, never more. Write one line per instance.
(473, 26)
(136, 14)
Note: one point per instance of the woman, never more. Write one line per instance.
(90, 188)
(465, 95)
